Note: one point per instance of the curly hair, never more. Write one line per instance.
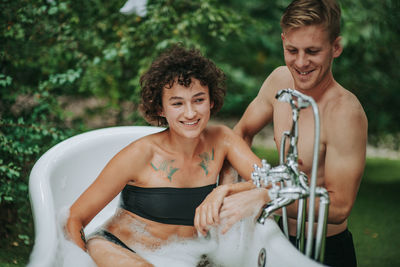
(180, 65)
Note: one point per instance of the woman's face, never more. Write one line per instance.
(187, 109)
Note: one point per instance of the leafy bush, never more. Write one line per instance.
(56, 53)
(370, 62)
(21, 143)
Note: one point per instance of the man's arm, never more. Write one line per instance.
(345, 158)
(259, 112)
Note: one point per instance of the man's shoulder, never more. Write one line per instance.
(282, 70)
(344, 108)
(344, 101)
(345, 125)
(279, 78)
(282, 76)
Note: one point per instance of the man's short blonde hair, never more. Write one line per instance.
(313, 12)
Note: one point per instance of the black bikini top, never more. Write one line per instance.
(168, 205)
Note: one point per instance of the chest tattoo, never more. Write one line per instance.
(166, 167)
(205, 160)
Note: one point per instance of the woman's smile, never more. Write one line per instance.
(187, 109)
(191, 123)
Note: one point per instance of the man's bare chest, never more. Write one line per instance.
(283, 122)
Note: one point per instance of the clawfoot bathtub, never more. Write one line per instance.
(67, 169)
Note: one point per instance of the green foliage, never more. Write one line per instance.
(21, 143)
(370, 61)
(249, 57)
(270, 155)
(56, 53)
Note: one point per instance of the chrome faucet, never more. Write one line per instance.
(286, 183)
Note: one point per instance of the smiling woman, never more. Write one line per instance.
(189, 109)
(167, 180)
(178, 67)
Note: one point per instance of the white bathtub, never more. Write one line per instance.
(67, 169)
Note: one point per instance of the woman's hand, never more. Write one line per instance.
(207, 213)
(240, 205)
(74, 232)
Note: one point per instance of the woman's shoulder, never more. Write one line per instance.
(219, 129)
(144, 145)
(220, 133)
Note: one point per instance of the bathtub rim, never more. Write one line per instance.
(45, 246)
(44, 252)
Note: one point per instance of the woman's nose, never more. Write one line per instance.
(190, 111)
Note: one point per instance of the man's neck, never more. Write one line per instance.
(318, 91)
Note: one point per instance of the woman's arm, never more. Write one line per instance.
(242, 159)
(116, 174)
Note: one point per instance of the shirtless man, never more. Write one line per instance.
(310, 37)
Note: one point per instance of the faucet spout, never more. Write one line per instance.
(272, 206)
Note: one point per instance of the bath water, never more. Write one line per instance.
(221, 250)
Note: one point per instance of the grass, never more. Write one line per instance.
(374, 221)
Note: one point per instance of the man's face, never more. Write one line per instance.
(309, 55)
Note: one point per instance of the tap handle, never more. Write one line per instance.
(286, 95)
(256, 179)
(265, 164)
(260, 174)
(264, 172)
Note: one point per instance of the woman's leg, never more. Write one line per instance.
(106, 254)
